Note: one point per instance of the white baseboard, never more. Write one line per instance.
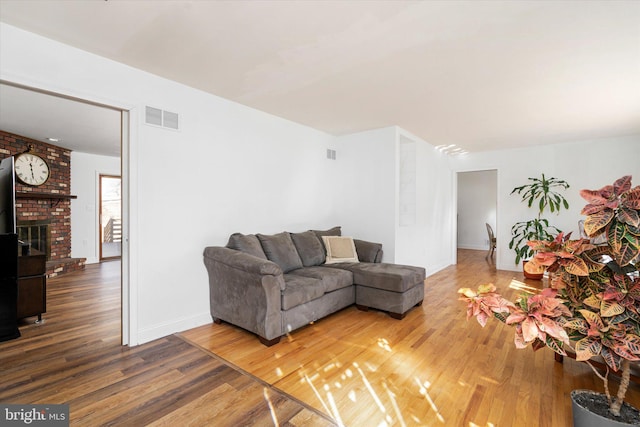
(168, 328)
(434, 270)
(509, 266)
(474, 247)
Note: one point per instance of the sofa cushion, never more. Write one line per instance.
(340, 249)
(390, 277)
(309, 248)
(299, 290)
(332, 278)
(280, 249)
(368, 251)
(335, 231)
(248, 244)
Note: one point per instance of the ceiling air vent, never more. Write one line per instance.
(158, 117)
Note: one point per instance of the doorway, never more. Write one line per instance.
(55, 113)
(477, 206)
(110, 222)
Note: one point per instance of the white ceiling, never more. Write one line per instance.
(480, 74)
(79, 126)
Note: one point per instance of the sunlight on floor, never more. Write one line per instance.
(423, 391)
(368, 385)
(383, 343)
(334, 383)
(335, 416)
(521, 286)
(272, 410)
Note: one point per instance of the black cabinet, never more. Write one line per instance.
(8, 286)
(32, 286)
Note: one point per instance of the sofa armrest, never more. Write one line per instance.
(245, 291)
(368, 251)
(241, 261)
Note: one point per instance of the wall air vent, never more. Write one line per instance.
(331, 154)
(170, 120)
(158, 117)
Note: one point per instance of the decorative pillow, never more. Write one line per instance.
(248, 244)
(335, 231)
(309, 248)
(340, 249)
(280, 249)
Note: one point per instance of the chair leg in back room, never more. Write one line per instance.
(492, 241)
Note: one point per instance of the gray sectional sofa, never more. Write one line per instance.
(273, 284)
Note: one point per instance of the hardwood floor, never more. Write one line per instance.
(432, 368)
(75, 357)
(358, 368)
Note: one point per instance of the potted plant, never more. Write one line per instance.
(544, 192)
(592, 306)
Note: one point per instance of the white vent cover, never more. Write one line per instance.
(158, 117)
(331, 154)
(170, 120)
(153, 116)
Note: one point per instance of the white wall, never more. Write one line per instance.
(85, 183)
(228, 169)
(590, 164)
(371, 176)
(477, 195)
(430, 242)
(366, 188)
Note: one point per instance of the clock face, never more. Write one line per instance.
(31, 169)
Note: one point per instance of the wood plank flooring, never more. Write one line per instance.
(357, 368)
(75, 357)
(430, 369)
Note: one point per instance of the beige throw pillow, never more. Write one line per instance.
(340, 249)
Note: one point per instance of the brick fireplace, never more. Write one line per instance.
(45, 210)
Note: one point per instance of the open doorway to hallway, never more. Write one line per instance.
(477, 207)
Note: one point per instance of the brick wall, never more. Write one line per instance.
(59, 182)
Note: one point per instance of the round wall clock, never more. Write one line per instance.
(31, 169)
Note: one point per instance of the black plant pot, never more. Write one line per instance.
(591, 409)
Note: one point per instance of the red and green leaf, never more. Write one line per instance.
(576, 266)
(610, 309)
(595, 223)
(593, 197)
(628, 216)
(611, 359)
(623, 351)
(555, 345)
(621, 185)
(587, 348)
(615, 235)
(626, 254)
(577, 324)
(632, 198)
(593, 319)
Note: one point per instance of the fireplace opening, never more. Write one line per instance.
(37, 235)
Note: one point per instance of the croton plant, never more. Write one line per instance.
(592, 304)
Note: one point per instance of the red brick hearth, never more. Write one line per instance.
(45, 205)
